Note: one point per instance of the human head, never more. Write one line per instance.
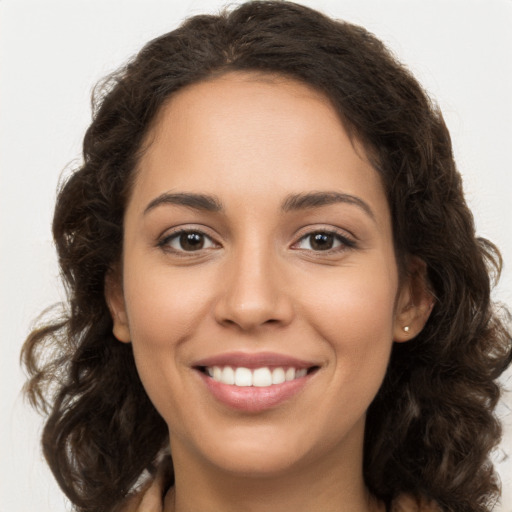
(404, 136)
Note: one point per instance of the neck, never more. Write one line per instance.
(332, 483)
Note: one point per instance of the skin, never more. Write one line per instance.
(258, 284)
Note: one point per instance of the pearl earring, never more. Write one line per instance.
(406, 328)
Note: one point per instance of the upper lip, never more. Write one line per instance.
(254, 360)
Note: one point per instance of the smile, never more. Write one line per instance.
(259, 377)
(254, 383)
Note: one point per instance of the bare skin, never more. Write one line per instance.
(268, 271)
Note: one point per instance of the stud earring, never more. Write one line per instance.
(406, 328)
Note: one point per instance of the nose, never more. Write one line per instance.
(254, 292)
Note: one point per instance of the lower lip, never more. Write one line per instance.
(252, 398)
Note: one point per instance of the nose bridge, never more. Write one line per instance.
(253, 290)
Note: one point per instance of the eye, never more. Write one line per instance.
(187, 241)
(323, 241)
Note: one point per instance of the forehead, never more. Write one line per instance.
(240, 101)
(252, 133)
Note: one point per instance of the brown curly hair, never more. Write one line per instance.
(431, 427)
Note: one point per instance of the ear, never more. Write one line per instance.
(115, 301)
(414, 303)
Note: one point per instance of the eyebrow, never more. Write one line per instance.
(318, 199)
(196, 201)
(293, 202)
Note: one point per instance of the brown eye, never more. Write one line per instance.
(321, 241)
(187, 241)
(324, 241)
(191, 241)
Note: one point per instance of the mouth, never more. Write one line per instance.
(261, 377)
(254, 382)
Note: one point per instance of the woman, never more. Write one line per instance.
(273, 273)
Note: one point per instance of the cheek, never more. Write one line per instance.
(355, 323)
(164, 311)
(163, 307)
(355, 319)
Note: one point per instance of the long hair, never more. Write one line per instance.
(431, 427)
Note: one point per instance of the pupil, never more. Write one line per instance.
(322, 241)
(191, 241)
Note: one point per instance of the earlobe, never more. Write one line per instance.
(415, 302)
(114, 297)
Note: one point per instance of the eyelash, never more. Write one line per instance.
(344, 242)
(165, 242)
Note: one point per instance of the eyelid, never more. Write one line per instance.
(173, 233)
(348, 240)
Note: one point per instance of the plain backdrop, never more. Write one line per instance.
(53, 52)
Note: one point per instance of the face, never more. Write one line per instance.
(259, 284)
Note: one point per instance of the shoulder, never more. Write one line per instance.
(408, 503)
(148, 499)
(156, 495)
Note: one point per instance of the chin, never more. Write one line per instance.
(248, 450)
(266, 450)
(257, 463)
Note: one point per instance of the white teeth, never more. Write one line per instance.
(228, 375)
(243, 377)
(290, 374)
(260, 377)
(278, 376)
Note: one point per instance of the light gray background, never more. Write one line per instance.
(51, 54)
